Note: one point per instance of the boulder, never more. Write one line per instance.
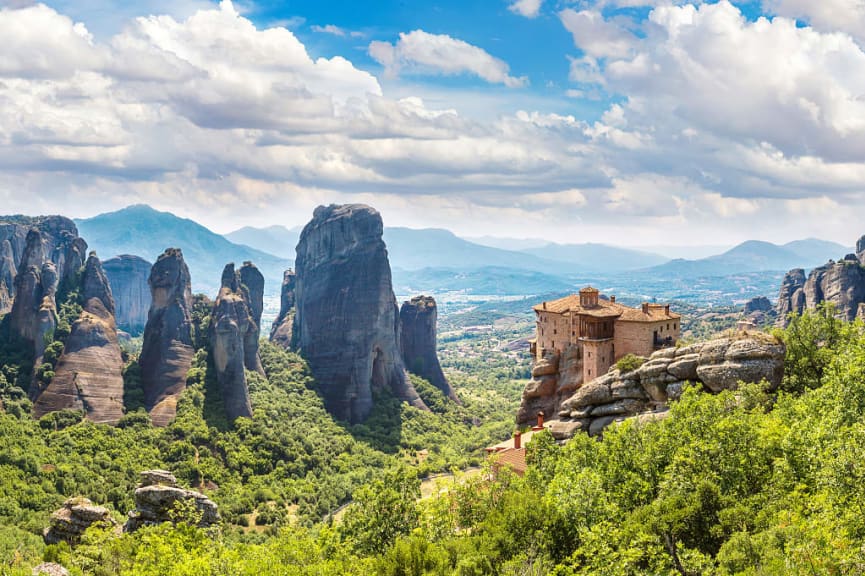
(231, 324)
(417, 320)
(128, 276)
(49, 569)
(89, 373)
(157, 499)
(77, 515)
(167, 352)
(346, 320)
(281, 331)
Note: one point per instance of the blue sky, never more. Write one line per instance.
(635, 122)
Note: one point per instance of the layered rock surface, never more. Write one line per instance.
(718, 365)
(841, 283)
(167, 352)
(347, 322)
(157, 498)
(89, 372)
(417, 319)
(128, 278)
(77, 515)
(233, 330)
(281, 331)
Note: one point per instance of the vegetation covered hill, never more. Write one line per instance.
(734, 483)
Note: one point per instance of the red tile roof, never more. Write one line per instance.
(607, 309)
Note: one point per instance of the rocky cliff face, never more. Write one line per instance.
(128, 278)
(841, 283)
(346, 322)
(61, 245)
(166, 355)
(281, 331)
(89, 372)
(34, 311)
(253, 282)
(718, 365)
(417, 318)
(232, 328)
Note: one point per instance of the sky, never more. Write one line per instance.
(630, 122)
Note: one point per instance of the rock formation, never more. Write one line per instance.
(233, 328)
(417, 320)
(34, 310)
(346, 322)
(89, 373)
(61, 245)
(281, 331)
(49, 569)
(156, 499)
(718, 365)
(166, 354)
(841, 283)
(253, 282)
(759, 310)
(554, 379)
(791, 298)
(77, 515)
(128, 278)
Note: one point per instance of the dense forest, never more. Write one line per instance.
(734, 483)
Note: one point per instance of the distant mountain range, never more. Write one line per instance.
(754, 256)
(598, 257)
(145, 232)
(416, 249)
(431, 259)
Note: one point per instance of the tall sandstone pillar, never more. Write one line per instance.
(167, 352)
(346, 323)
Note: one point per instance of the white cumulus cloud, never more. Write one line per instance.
(527, 8)
(422, 52)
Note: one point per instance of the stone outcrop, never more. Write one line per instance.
(759, 310)
(167, 352)
(417, 320)
(232, 330)
(77, 515)
(281, 331)
(346, 322)
(252, 282)
(555, 378)
(61, 245)
(128, 278)
(842, 283)
(791, 298)
(157, 498)
(34, 310)
(89, 372)
(718, 365)
(49, 569)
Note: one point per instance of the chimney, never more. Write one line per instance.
(645, 307)
(545, 305)
(612, 299)
(667, 309)
(517, 439)
(540, 424)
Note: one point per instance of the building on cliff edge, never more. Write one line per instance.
(602, 330)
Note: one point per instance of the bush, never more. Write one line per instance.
(629, 363)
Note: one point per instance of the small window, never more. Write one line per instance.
(555, 331)
(590, 372)
(589, 355)
(668, 326)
